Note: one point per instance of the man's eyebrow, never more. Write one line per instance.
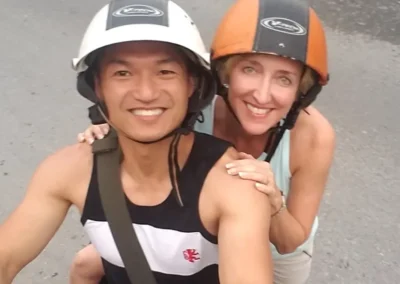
(115, 60)
(167, 60)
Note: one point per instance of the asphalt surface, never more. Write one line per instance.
(358, 240)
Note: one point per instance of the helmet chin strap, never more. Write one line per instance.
(277, 132)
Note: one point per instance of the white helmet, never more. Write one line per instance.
(140, 20)
(145, 20)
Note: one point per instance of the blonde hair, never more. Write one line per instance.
(224, 67)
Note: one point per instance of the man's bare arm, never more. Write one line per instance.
(243, 234)
(33, 223)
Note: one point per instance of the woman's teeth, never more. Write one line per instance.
(256, 110)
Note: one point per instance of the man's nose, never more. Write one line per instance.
(145, 89)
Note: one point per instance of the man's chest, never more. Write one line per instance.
(168, 251)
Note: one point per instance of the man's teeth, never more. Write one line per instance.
(147, 112)
(255, 110)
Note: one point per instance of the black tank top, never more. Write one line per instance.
(177, 246)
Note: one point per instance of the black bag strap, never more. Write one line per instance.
(115, 208)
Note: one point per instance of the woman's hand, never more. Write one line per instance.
(93, 132)
(247, 167)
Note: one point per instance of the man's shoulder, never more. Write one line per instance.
(210, 150)
(66, 164)
(71, 155)
(209, 138)
(219, 175)
(228, 190)
(219, 170)
(230, 155)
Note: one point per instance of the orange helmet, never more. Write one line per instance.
(288, 28)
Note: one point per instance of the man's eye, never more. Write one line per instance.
(122, 73)
(166, 72)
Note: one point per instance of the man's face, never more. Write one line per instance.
(146, 87)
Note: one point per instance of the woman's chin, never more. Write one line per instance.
(255, 129)
(256, 126)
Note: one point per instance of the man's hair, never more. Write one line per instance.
(190, 61)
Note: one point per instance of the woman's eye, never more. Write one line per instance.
(248, 70)
(285, 81)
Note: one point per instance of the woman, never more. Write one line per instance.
(270, 60)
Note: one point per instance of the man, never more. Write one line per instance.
(142, 62)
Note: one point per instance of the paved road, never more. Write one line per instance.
(360, 219)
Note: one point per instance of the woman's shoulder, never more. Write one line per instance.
(312, 134)
(313, 126)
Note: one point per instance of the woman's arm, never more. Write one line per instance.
(291, 227)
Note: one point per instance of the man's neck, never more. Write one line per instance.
(150, 161)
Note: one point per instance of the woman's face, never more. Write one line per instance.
(262, 88)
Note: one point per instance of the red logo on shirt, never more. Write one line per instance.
(191, 255)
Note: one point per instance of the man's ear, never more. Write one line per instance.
(193, 81)
(97, 88)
